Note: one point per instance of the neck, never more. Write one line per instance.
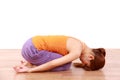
(85, 49)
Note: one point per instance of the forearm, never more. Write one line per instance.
(44, 67)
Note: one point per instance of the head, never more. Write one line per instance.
(93, 60)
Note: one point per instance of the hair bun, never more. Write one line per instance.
(102, 50)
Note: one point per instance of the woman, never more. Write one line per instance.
(56, 52)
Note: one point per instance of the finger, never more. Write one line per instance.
(20, 67)
(15, 68)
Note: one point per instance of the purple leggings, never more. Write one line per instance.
(38, 57)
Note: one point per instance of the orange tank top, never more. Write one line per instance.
(51, 43)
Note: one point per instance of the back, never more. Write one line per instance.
(51, 43)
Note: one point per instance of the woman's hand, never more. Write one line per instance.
(21, 69)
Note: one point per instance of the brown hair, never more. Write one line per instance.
(97, 63)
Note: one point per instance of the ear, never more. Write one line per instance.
(90, 57)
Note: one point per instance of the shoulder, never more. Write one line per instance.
(74, 44)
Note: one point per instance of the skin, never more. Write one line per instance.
(75, 50)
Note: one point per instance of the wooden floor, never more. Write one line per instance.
(11, 57)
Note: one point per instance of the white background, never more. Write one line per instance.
(96, 22)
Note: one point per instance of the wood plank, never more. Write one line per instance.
(11, 57)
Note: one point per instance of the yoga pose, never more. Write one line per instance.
(56, 53)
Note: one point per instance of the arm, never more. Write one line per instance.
(74, 48)
(54, 63)
(47, 66)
